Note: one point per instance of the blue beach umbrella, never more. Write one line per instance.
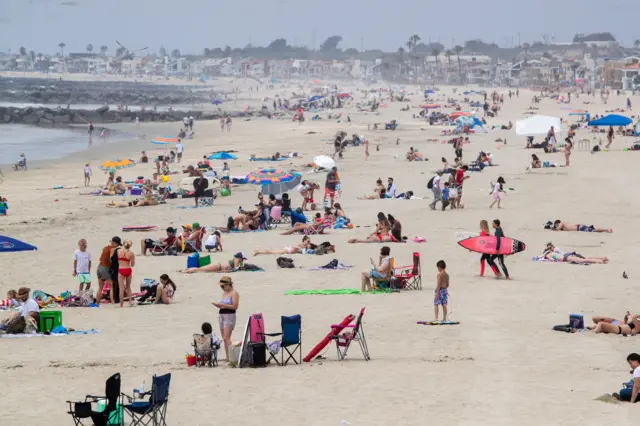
(8, 244)
(222, 155)
(216, 102)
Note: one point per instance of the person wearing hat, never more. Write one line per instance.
(166, 243)
(22, 164)
(194, 241)
(28, 311)
(103, 271)
(228, 305)
(233, 265)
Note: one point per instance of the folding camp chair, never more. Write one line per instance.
(154, 411)
(205, 350)
(387, 281)
(356, 334)
(112, 413)
(278, 217)
(291, 336)
(410, 276)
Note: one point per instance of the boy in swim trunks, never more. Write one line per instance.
(82, 264)
(441, 294)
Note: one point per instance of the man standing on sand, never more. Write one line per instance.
(435, 188)
(330, 186)
(179, 149)
(104, 274)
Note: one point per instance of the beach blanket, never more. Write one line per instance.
(332, 292)
(68, 333)
(334, 264)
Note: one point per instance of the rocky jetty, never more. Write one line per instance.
(61, 117)
(62, 92)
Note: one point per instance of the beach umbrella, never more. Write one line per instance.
(428, 92)
(116, 164)
(274, 181)
(460, 114)
(216, 102)
(611, 120)
(8, 244)
(164, 140)
(344, 95)
(315, 98)
(538, 125)
(222, 155)
(324, 162)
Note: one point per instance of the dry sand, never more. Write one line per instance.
(501, 366)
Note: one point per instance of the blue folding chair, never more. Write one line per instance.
(154, 411)
(291, 337)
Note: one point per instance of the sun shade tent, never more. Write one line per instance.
(538, 125)
(611, 120)
(8, 244)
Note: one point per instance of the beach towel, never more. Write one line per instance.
(334, 264)
(332, 292)
(544, 259)
(66, 333)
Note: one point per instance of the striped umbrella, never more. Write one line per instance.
(117, 164)
(164, 140)
(274, 181)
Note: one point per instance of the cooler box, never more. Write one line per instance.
(50, 320)
(192, 260)
(204, 261)
(136, 191)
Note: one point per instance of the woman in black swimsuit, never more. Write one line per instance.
(629, 326)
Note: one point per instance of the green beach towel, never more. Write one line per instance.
(331, 292)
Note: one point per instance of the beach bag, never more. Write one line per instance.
(453, 193)
(430, 183)
(204, 261)
(285, 262)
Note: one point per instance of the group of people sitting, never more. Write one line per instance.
(388, 230)
(382, 191)
(192, 239)
(306, 247)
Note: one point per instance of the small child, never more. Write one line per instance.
(10, 301)
(497, 189)
(318, 218)
(445, 196)
(82, 265)
(441, 296)
(207, 330)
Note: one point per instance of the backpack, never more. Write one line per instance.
(285, 262)
(430, 183)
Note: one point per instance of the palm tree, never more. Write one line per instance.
(207, 51)
(175, 53)
(435, 52)
(458, 50)
(23, 51)
(89, 47)
(62, 46)
(636, 44)
(103, 50)
(414, 40)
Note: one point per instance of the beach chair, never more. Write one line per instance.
(410, 277)
(277, 216)
(387, 281)
(355, 334)
(291, 336)
(154, 411)
(205, 350)
(111, 414)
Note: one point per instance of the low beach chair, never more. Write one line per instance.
(205, 350)
(356, 334)
(154, 411)
(410, 277)
(291, 336)
(110, 415)
(387, 281)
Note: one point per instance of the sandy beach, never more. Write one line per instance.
(502, 365)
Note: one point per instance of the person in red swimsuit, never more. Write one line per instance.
(126, 261)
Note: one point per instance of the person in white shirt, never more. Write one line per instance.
(214, 242)
(436, 189)
(185, 121)
(87, 174)
(137, 122)
(631, 390)
(28, 311)
(179, 149)
(82, 264)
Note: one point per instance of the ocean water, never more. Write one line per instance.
(159, 108)
(46, 144)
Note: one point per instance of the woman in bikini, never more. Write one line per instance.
(308, 228)
(165, 291)
(232, 265)
(381, 235)
(303, 248)
(555, 255)
(126, 261)
(629, 326)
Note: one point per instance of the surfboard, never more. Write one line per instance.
(487, 245)
(139, 228)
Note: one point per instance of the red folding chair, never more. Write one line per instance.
(410, 277)
(355, 334)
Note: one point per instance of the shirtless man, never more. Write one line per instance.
(559, 225)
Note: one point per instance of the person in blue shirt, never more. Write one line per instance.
(445, 196)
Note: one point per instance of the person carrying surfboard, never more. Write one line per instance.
(499, 234)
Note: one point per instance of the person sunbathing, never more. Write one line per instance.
(597, 319)
(554, 254)
(535, 162)
(309, 228)
(630, 325)
(413, 155)
(123, 204)
(233, 265)
(559, 225)
(380, 194)
(306, 247)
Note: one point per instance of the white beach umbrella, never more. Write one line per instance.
(324, 162)
(538, 125)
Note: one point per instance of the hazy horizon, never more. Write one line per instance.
(192, 25)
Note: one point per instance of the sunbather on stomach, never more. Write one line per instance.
(232, 265)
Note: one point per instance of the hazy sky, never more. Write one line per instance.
(191, 25)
